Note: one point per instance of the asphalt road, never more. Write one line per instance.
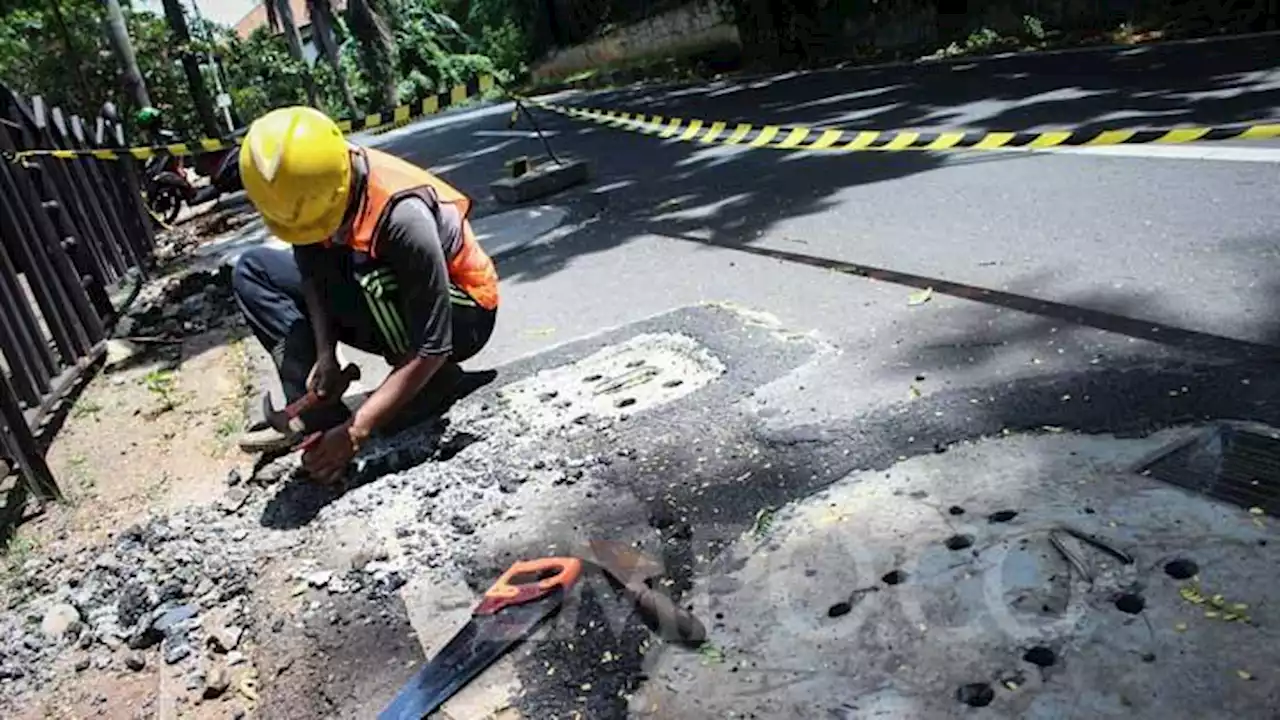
(1177, 242)
(1084, 292)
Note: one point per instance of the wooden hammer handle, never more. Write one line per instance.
(663, 615)
(349, 374)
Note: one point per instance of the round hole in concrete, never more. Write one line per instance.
(976, 694)
(1002, 516)
(959, 542)
(839, 609)
(673, 382)
(1149, 657)
(593, 378)
(1181, 569)
(1040, 655)
(1131, 603)
(625, 402)
(955, 510)
(894, 577)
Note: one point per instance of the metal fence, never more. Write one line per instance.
(69, 231)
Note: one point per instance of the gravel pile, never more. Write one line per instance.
(431, 495)
(146, 598)
(432, 492)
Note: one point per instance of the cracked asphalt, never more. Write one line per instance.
(1071, 294)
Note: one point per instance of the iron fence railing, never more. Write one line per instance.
(69, 231)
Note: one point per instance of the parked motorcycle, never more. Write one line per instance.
(167, 183)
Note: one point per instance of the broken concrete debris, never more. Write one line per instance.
(61, 620)
(216, 683)
(118, 603)
(172, 591)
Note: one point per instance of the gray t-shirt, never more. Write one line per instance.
(407, 285)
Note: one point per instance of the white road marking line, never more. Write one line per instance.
(1193, 151)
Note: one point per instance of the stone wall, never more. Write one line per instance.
(687, 30)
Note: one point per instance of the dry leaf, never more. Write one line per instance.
(920, 297)
(1244, 674)
(1257, 511)
(1180, 627)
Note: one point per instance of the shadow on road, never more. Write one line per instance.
(1143, 86)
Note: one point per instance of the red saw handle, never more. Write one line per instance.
(529, 580)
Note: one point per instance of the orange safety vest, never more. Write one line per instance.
(390, 179)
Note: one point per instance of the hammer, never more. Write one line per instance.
(287, 420)
(630, 569)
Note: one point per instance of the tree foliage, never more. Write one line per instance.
(389, 52)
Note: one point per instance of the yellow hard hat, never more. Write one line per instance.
(296, 169)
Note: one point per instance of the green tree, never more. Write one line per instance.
(280, 17)
(372, 29)
(322, 29)
(262, 74)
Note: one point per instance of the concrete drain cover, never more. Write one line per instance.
(1233, 464)
(637, 375)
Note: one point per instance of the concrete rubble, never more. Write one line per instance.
(137, 601)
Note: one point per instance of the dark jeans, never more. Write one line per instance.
(268, 288)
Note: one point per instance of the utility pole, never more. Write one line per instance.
(173, 12)
(118, 35)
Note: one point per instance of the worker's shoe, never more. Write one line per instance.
(262, 438)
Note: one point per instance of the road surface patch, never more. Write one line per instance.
(635, 376)
(807, 626)
(799, 137)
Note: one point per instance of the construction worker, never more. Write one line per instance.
(383, 259)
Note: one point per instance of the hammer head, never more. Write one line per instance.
(287, 420)
(279, 419)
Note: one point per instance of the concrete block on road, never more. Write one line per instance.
(544, 180)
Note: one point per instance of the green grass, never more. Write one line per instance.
(710, 654)
(229, 426)
(86, 408)
(763, 522)
(19, 549)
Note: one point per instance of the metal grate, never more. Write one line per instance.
(1226, 463)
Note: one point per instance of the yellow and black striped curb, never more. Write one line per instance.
(402, 115)
(794, 137)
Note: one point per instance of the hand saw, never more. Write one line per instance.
(527, 593)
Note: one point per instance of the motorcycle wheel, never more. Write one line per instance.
(166, 203)
(165, 196)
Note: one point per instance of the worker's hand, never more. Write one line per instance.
(326, 376)
(327, 458)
